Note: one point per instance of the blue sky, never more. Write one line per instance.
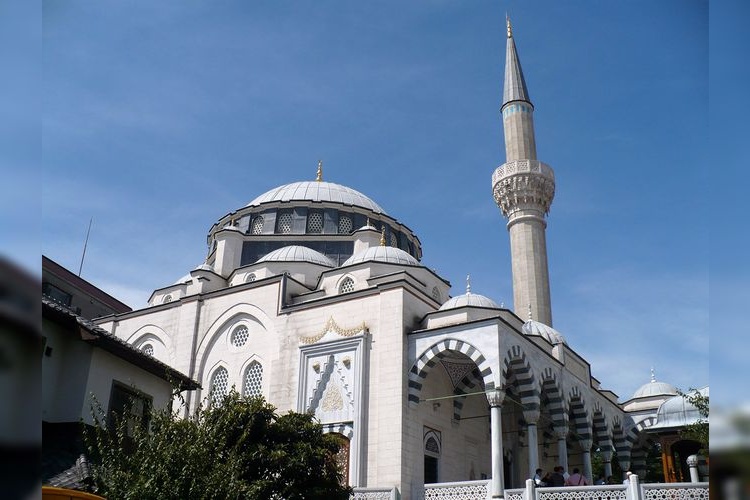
(160, 117)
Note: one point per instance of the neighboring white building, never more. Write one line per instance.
(314, 297)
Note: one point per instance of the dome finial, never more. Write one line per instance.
(653, 377)
(382, 236)
(507, 24)
(468, 284)
(531, 317)
(319, 176)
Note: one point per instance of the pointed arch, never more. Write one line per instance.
(433, 354)
(578, 414)
(552, 395)
(516, 368)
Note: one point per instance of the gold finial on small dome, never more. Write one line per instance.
(507, 23)
(382, 236)
(319, 176)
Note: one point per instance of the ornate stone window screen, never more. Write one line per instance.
(253, 381)
(284, 223)
(346, 286)
(315, 222)
(148, 349)
(250, 278)
(345, 224)
(257, 225)
(436, 294)
(464, 490)
(615, 492)
(689, 491)
(167, 298)
(240, 335)
(394, 240)
(219, 385)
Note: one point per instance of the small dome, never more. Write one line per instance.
(297, 253)
(317, 191)
(655, 388)
(471, 300)
(548, 333)
(390, 255)
(678, 412)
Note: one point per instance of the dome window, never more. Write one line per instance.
(147, 349)
(346, 286)
(250, 278)
(315, 222)
(240, 336)
(394, 240)
(284, 223)
(345, 224)
(167, 298)
(257, 225)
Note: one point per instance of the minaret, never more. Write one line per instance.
(523, 188)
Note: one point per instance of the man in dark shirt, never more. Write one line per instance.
(557, 478)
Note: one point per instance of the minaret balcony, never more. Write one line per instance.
(523, 185)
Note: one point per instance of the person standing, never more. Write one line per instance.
(557, 478)
(538, 482)
(627, 478)
(576, 479)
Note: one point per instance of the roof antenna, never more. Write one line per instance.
(319, 175)
(85, 243)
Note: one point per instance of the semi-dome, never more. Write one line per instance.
(655, 388)
(677, 411)
(471, 300)
(539, 329)
(297, 253)
(317, 191)
(390, 255)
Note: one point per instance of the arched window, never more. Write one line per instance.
(345, 224)
(342, 457)
(346, 286)
(219, 385)
(431, 455)
(394, 240)
(240, 335)
(257, 225)
(147, 349)
(250, 278)
(436, 294)
(284, 222)
(253, 380)
(167, 298)
(315, 222)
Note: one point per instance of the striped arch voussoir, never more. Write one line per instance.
(432, 355)
(517, 366)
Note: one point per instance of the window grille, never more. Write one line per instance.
(315, 222)
(219, 385)
(345, 224)
(239, 336)
(284, 223)
(254, 379)
(346, 286)
(257, 226)
(148, 349)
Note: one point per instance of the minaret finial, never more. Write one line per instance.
(507, 24)
(531, 317)
(382, 236)
(319, 176)
(653, 377)
(468, 284)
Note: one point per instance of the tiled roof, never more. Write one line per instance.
(105, 340)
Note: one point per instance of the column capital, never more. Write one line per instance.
(560, 431)
(495, 397)
(585, 444)
(531, 416)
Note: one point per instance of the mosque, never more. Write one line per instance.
(313, 296)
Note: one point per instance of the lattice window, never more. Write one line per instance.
(253, 383)
(315, 222)
(394, 240)
(257, 225)
(284, 223)
(147, 349)
(346, 286)
(345, 224)
(167, 298)
(436, 294)
(250, 278)
(219, 385)
(240, 335)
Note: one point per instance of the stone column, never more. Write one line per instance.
(495, 399)
(692, 462)
(607, 455)
(586, 448)
(532, 417)
(562, 446)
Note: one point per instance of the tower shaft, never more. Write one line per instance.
(523, 188)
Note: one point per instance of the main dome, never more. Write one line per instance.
(317, 191)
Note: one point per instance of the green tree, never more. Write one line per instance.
(239, 448)
(697, 431)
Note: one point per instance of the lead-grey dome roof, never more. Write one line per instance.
(390, 255)
(469, 299)
(317, 191)
(539, 329)
(654, 388)
(297, 253)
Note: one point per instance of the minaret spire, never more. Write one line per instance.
(507, 24)
(523, 188)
